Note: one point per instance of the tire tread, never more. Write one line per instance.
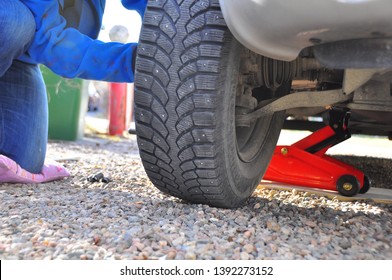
(186, 61)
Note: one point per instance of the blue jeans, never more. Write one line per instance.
(23, 99)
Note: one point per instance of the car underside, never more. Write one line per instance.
(334, 44)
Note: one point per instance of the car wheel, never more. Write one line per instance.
(188, 82)
(347, 185)
(366, 185)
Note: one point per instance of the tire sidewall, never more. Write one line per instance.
(243, 177)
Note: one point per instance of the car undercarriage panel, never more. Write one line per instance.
(280, 29)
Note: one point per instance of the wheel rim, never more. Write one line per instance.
(249, 139)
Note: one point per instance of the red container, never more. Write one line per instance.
(117, 108)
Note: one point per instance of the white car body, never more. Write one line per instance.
(280, 29)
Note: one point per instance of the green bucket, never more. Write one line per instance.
(67, 101)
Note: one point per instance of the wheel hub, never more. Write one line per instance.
(347, 186)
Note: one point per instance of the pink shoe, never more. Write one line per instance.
(11, 172)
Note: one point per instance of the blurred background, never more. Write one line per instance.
(79, 106)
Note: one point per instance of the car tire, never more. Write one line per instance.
(186, 81)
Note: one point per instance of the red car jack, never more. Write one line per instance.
(305, 164)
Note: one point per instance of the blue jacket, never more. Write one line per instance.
(65, 40)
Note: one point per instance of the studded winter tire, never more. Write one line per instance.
(186, 81)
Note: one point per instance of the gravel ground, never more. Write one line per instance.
(129, 218)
